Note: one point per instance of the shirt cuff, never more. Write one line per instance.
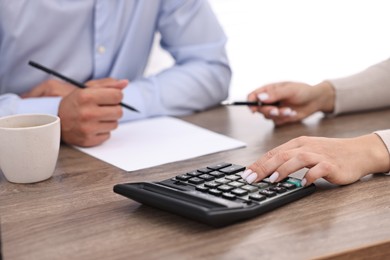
(142, 95)
(385, 136)
(41, 105)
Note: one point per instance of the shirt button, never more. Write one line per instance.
(101, 49)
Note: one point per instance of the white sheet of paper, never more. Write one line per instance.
(151, 142)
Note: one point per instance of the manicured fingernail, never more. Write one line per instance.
(303, 182)
(263, 96)
(251, 178)
(287, 111)
(246, 173)
(293, 113)
(274, 177)
(274, 112)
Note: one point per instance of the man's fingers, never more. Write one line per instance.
(107, 83)
(103, 96)
(90, 129)
(92, 140)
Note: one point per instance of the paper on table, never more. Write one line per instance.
(146, 143)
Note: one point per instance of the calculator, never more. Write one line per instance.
(215, 195)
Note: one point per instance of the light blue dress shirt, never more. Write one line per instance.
(94, 39)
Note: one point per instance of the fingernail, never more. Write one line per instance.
(246, 173)
(274, 177)
(287, 111)
(263, 96)
(251, 178)
(274, 112)
(293, 113)
(303, 182)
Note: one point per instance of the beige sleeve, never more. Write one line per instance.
(385, 136)
(369, 89)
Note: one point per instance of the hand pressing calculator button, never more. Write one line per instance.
(215, 194)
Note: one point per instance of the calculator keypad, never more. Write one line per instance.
(224, 180)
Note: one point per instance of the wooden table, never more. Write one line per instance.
(76, 215)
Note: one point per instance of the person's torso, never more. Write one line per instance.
(81, 39)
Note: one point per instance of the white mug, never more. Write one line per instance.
(29, 146)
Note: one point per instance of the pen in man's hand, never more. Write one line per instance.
(249, 103)
(69, 80)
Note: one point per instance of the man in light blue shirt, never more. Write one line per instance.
(106, 45)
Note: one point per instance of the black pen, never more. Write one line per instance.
(249, 103)
(71, 81)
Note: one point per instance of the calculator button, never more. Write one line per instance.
(240, 192)
(278, 189)
(289, 186)
(205, 170)
(215, 192)
(225, 188)
(212, 184)
(235, 184)
(257, 197)
(228, 196)
(195, 180)
(266, 180)
(201, 188)
(232, 169)
(223, 181)
(219, 166)
(261, 185)
(294, 181)
(249, 188)
(206, 177)
(217, 174)
(267, 193)
(194, 173)
(233, 178)
(183, 177)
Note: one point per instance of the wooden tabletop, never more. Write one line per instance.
(76, 215)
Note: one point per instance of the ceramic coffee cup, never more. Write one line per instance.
(29, 146)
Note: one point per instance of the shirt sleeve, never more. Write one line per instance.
(11, 104)
(201, 75)
(385, 136)
(369, 89)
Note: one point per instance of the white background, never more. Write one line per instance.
(300, 40)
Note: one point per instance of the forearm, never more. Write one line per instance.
(368, 89)
(178, 91)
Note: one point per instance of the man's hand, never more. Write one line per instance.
(89, 115)
(50, 88)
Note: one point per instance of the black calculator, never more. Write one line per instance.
(216, 194)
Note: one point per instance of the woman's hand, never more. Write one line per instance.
(339, 161)
(297, 100)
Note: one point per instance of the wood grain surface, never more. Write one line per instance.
(76, 215)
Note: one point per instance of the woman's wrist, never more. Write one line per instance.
(377, 159)
(326, 96)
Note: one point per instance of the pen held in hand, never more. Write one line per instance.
(69, 80)
(249, 103)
